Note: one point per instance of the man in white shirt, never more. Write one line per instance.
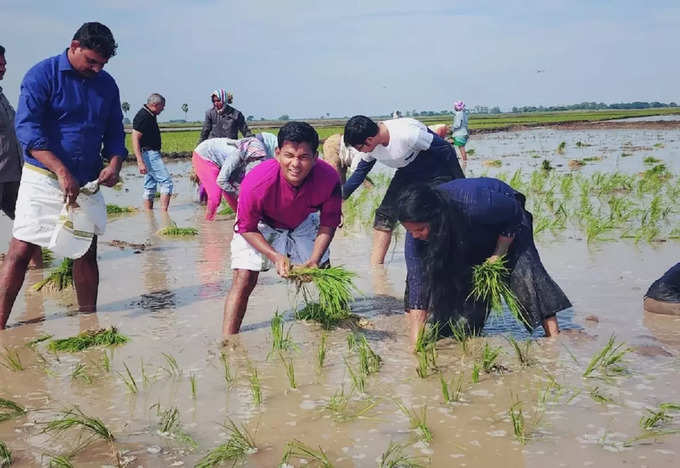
(418, 155)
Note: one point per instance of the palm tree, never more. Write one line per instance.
(185, 108)
(126, 107)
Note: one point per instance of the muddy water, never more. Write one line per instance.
(168, 298)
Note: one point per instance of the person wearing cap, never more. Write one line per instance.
(459, 129)
(221, 164)
(222, 120)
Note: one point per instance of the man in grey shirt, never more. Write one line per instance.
(10, 154)
(222, 120)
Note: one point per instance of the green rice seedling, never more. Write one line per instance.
(340, 405)
(537, 182)
(541, 224)
(176, 231)
(229, 377)
(10, 409)
(651, 160)
(599, 397)
(169, 421)
(417, 420)
(104, 362)
(608, 361)
(461, 334)
(47, 256)
(194, 385)
(290, 370)
(475, 372)
(321, 351)
(281, 339)
(129, 380)
(522, 351)
(546, 166)
(5, 455)
(297, 449)
(516, 181)
(489, 358)
(116, 210)
(80, 373)
(580, 144)
(490, 284)
(561, 147)
(91, 428)
(394, 457)
(351, 342)
(597, 227)
(59, 278)
(658, 417)
(88, 339)
(492, 163)
(369, 361)
(518, 423)
(426, 350)
(37, 341)
(453, 389)
(11, 360)
(235, 450)
(60, 461)
(566, 186)
(145, 378)
(225, 210)
(334, 288)
(255, 386)
(171, 368)
(626, 155)
(358, 378)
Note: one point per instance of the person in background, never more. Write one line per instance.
(65, 136)
(222, 120)
(663, 296)
(457, 225)
(146, 144)
(406, 145)
(459, 130)
(341, 157)
(222, 163)
(288, 210)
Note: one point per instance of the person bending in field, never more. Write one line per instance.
(406, 145)
(288, 210)
(341, 157)
(462, 223)
(220, 165)
(663, 296)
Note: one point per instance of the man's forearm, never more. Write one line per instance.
(257, 240)
(321, 243)
(50, 161)
(136, 148)
(502, 245)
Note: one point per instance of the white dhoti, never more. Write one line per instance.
(297, 244)
(42, 217)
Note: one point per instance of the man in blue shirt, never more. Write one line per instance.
(68, 121)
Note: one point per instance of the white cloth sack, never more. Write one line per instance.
(42, 217)
(297, 244)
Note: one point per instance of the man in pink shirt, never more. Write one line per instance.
(288, 210)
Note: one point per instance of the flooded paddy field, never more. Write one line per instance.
(166, 295)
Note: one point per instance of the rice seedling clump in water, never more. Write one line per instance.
(88, 339)
(490, 284)
(59, 279)
(297, 449)
(5, 455)
(240, 444)
(334, 287)
(9, 409)
(394, 457)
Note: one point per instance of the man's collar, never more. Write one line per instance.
(149, 110)
(64, 64)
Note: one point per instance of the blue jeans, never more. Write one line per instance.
(156, 174)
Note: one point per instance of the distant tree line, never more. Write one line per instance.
(596, 106)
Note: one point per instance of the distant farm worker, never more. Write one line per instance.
(341, 157)
(68, 120)
(221, 164)
(146, 144)
(459, 129)
(288, 210)
(406, 145)
(663, 296)
(222, 120)
(462, 223)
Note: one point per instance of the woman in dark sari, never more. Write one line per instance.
(460, 224)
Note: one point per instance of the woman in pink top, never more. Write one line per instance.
(288, 210)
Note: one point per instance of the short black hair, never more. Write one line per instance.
(95, 36)
(358, 129)
(299, 132)
(2, 50)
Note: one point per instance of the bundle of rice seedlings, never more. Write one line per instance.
(59, 279)
(297, 449)
(417, 420)
(490, 284)
(609, 361)
(334, 288)
(5, 455)
(47, 256)
(175, 231)
(88, 339)
(10, 409)
(116, 210)
(237, 448)
(394, 457)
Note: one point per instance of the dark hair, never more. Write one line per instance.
(442, 254)
(2, 50)
(358, 129)
(299, 132)
(97, 37)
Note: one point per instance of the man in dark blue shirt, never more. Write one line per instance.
(68, 121)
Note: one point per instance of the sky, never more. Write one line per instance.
(307, 58)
